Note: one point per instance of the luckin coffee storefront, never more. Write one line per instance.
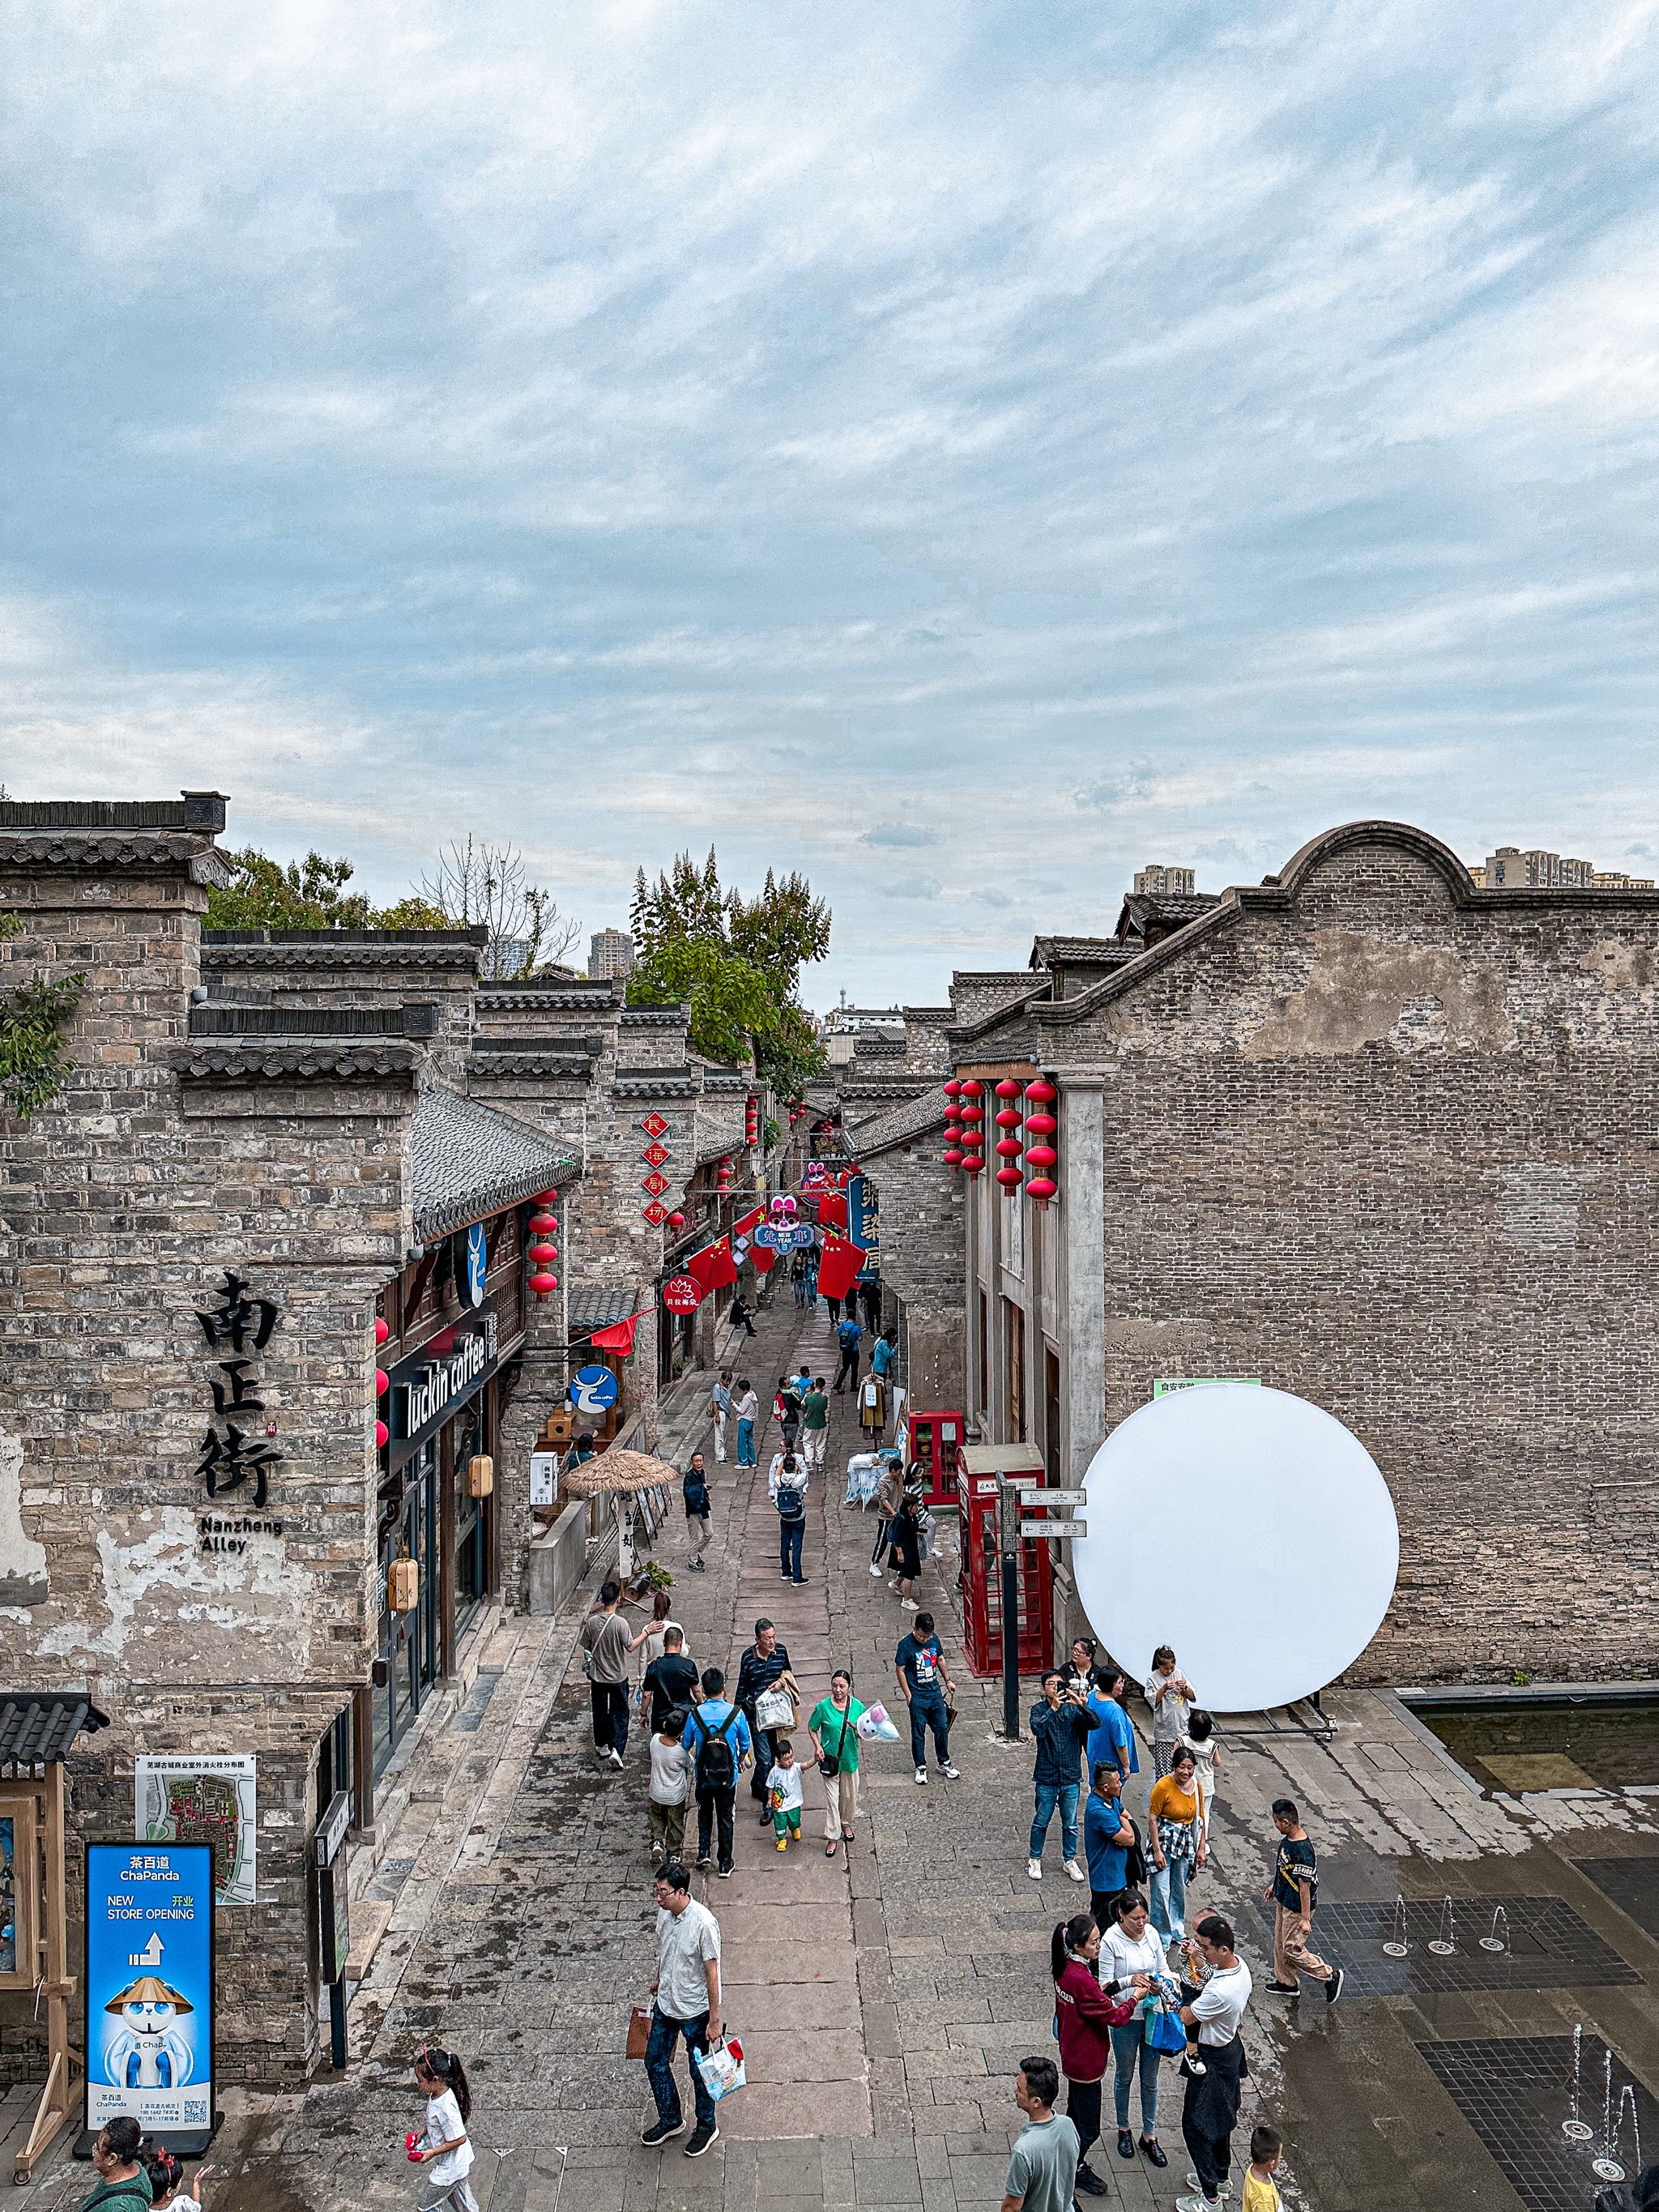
(436, 1530)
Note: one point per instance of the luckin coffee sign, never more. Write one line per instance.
(425, 1395)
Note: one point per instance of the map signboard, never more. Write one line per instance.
(195, 1798)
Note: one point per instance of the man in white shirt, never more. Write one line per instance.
(687, 1993)
(1210, 2108)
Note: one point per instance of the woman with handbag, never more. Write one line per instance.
(834, 1728)
(1177, 1843)
(1129, 1947)
(1087, 2010)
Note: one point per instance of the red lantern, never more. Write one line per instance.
(543, 1255)
(952, 1126)
(381, 1432)
(971, 1164)
(1041, 1157)
(677, 1221)
(1009, 1177)
(953, 1089)
(544, 1285)
(382, 1330)
(382, 1382)
(543, 1224)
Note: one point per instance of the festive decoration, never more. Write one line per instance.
(543, 1224)
(655, 1155)
(712, 1266)
(1008, 1174)
(838, 1266)
(655, 1125)
(382, 1433)
(751, 1119)
(953, 1125)
(382, 1330)
(655, 1213)
(543, 1284)
(677, 1221)
(619, 1337)
(1041, 1157)
(723, 1175)
(382, 1382)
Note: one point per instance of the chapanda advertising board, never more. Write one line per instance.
(150, 1985)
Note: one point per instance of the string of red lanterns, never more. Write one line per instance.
(973, 1136)
(953, 1126)
(543, 1228)
(1041, 1157)
(1008, 1144)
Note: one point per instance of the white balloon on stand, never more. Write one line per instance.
(1247, 1528)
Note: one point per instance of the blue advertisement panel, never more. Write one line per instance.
(150, 1985)
(864, 1225)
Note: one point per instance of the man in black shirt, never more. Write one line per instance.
(671, 1680)
(1293, 1893)
(765, 1661)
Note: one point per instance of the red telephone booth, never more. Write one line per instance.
(935, 1439)
(982, 1570)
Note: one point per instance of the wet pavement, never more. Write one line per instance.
(886, 1997)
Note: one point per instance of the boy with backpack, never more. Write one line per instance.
(786, 1484)
(717, 1736)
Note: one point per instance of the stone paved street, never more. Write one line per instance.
(885, 1997)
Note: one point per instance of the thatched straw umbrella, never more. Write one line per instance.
(617, 1474)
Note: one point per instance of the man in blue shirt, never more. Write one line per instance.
(1061, 1726)
(848, 1336)
(920, 1662)
(1113, 1737)
(717, 1737)
(1108, 1836)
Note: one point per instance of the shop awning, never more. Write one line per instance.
(601, 1306)
(38, 1727)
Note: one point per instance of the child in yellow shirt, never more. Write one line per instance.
(1261, 2190)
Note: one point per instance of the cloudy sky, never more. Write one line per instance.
(965, 453)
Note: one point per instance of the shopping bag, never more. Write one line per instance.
(721, 2067)
(875, 1727)
(774, 1708)
(638, 2032)
(1164, 2031)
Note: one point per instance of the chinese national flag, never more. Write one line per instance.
(619, 1337)
(832, 1210)
(744, 1246)
(839, 1266)
(712, 1266)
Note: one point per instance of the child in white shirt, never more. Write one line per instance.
(446, 2151)
(783, 1791)
(671, 1788)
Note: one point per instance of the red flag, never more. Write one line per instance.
(619, 1337)
(712, 1266)
(763, 1257)
(832, 1210)
(838, 1267)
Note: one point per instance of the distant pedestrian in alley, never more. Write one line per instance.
(884, 1358)
(1080, 1672)
(812, 1298)
(870, 1298)
(694, 1489)
(717, 1736)
(671, 1787)
(742, 1314)
(764, 1665)
(815, 1424)
(653, 1638)
(1205, 1745)
(1061, 1724)
(786, 1487)
(904, 1540)
(720, 1405)
(786, 1411)
(833, 1725)
(832, 1307)
(797, 1277)
(890, 1492)
(1211, 2110)
(926, 1681)
(687, 2004)
(1293, 1893)
(671, 1680)
(848, 1337)
(1041, 2174)
(746, 1407)
(606, 1643)
(1171, 1697)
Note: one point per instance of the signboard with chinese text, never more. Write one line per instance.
(194, 1797)
(149, 1988)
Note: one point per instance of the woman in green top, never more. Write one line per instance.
(834, 1728)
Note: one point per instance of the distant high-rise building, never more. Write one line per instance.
(1165, 883)
(610, 953)
(1510, 869)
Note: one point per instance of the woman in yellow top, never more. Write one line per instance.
(1177, 1843)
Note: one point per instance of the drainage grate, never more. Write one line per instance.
(1516, 2091)
(1549, 1946)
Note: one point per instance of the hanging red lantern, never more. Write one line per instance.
(953, 1126)
(381, 1432)
(1041, 1157)
(677, 1221)
(382, 1330)
(543, 1255)
(382, 1382)
(971, 1162)
(543, 1284)
(543, 1224)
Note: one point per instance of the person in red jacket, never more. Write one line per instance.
(1085, 2014)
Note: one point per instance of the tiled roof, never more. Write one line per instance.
(470, 1161)
(900, 1125)
(657, 1083)
(601, 1306)
(562, 994)
(268, 1059)
(1094, 951)
(203, 811)
(1143, 909)
(38, 1727)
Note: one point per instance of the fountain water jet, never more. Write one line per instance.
(1397, 1947)
(1444, 1945)
(1573, 2127)
(1494, 1942)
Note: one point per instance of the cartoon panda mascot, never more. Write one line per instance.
(151, 2050)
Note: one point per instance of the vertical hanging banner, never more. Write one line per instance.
(149, 1989)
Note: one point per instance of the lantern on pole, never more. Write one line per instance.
(1041, 1157)
(1008, 1144)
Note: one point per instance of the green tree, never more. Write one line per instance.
(262, 894)
(736, 962)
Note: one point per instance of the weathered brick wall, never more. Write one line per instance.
(123, 1204)
(1395, 1154)
(922, 1253)
(975, 994)
(326, 967)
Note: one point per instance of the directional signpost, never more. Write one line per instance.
(1017, 1491)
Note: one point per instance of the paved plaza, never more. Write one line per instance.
(885, 1997)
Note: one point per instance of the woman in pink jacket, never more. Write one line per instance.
(1084, 2014)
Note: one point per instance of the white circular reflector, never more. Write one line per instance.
(1246, 1528)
